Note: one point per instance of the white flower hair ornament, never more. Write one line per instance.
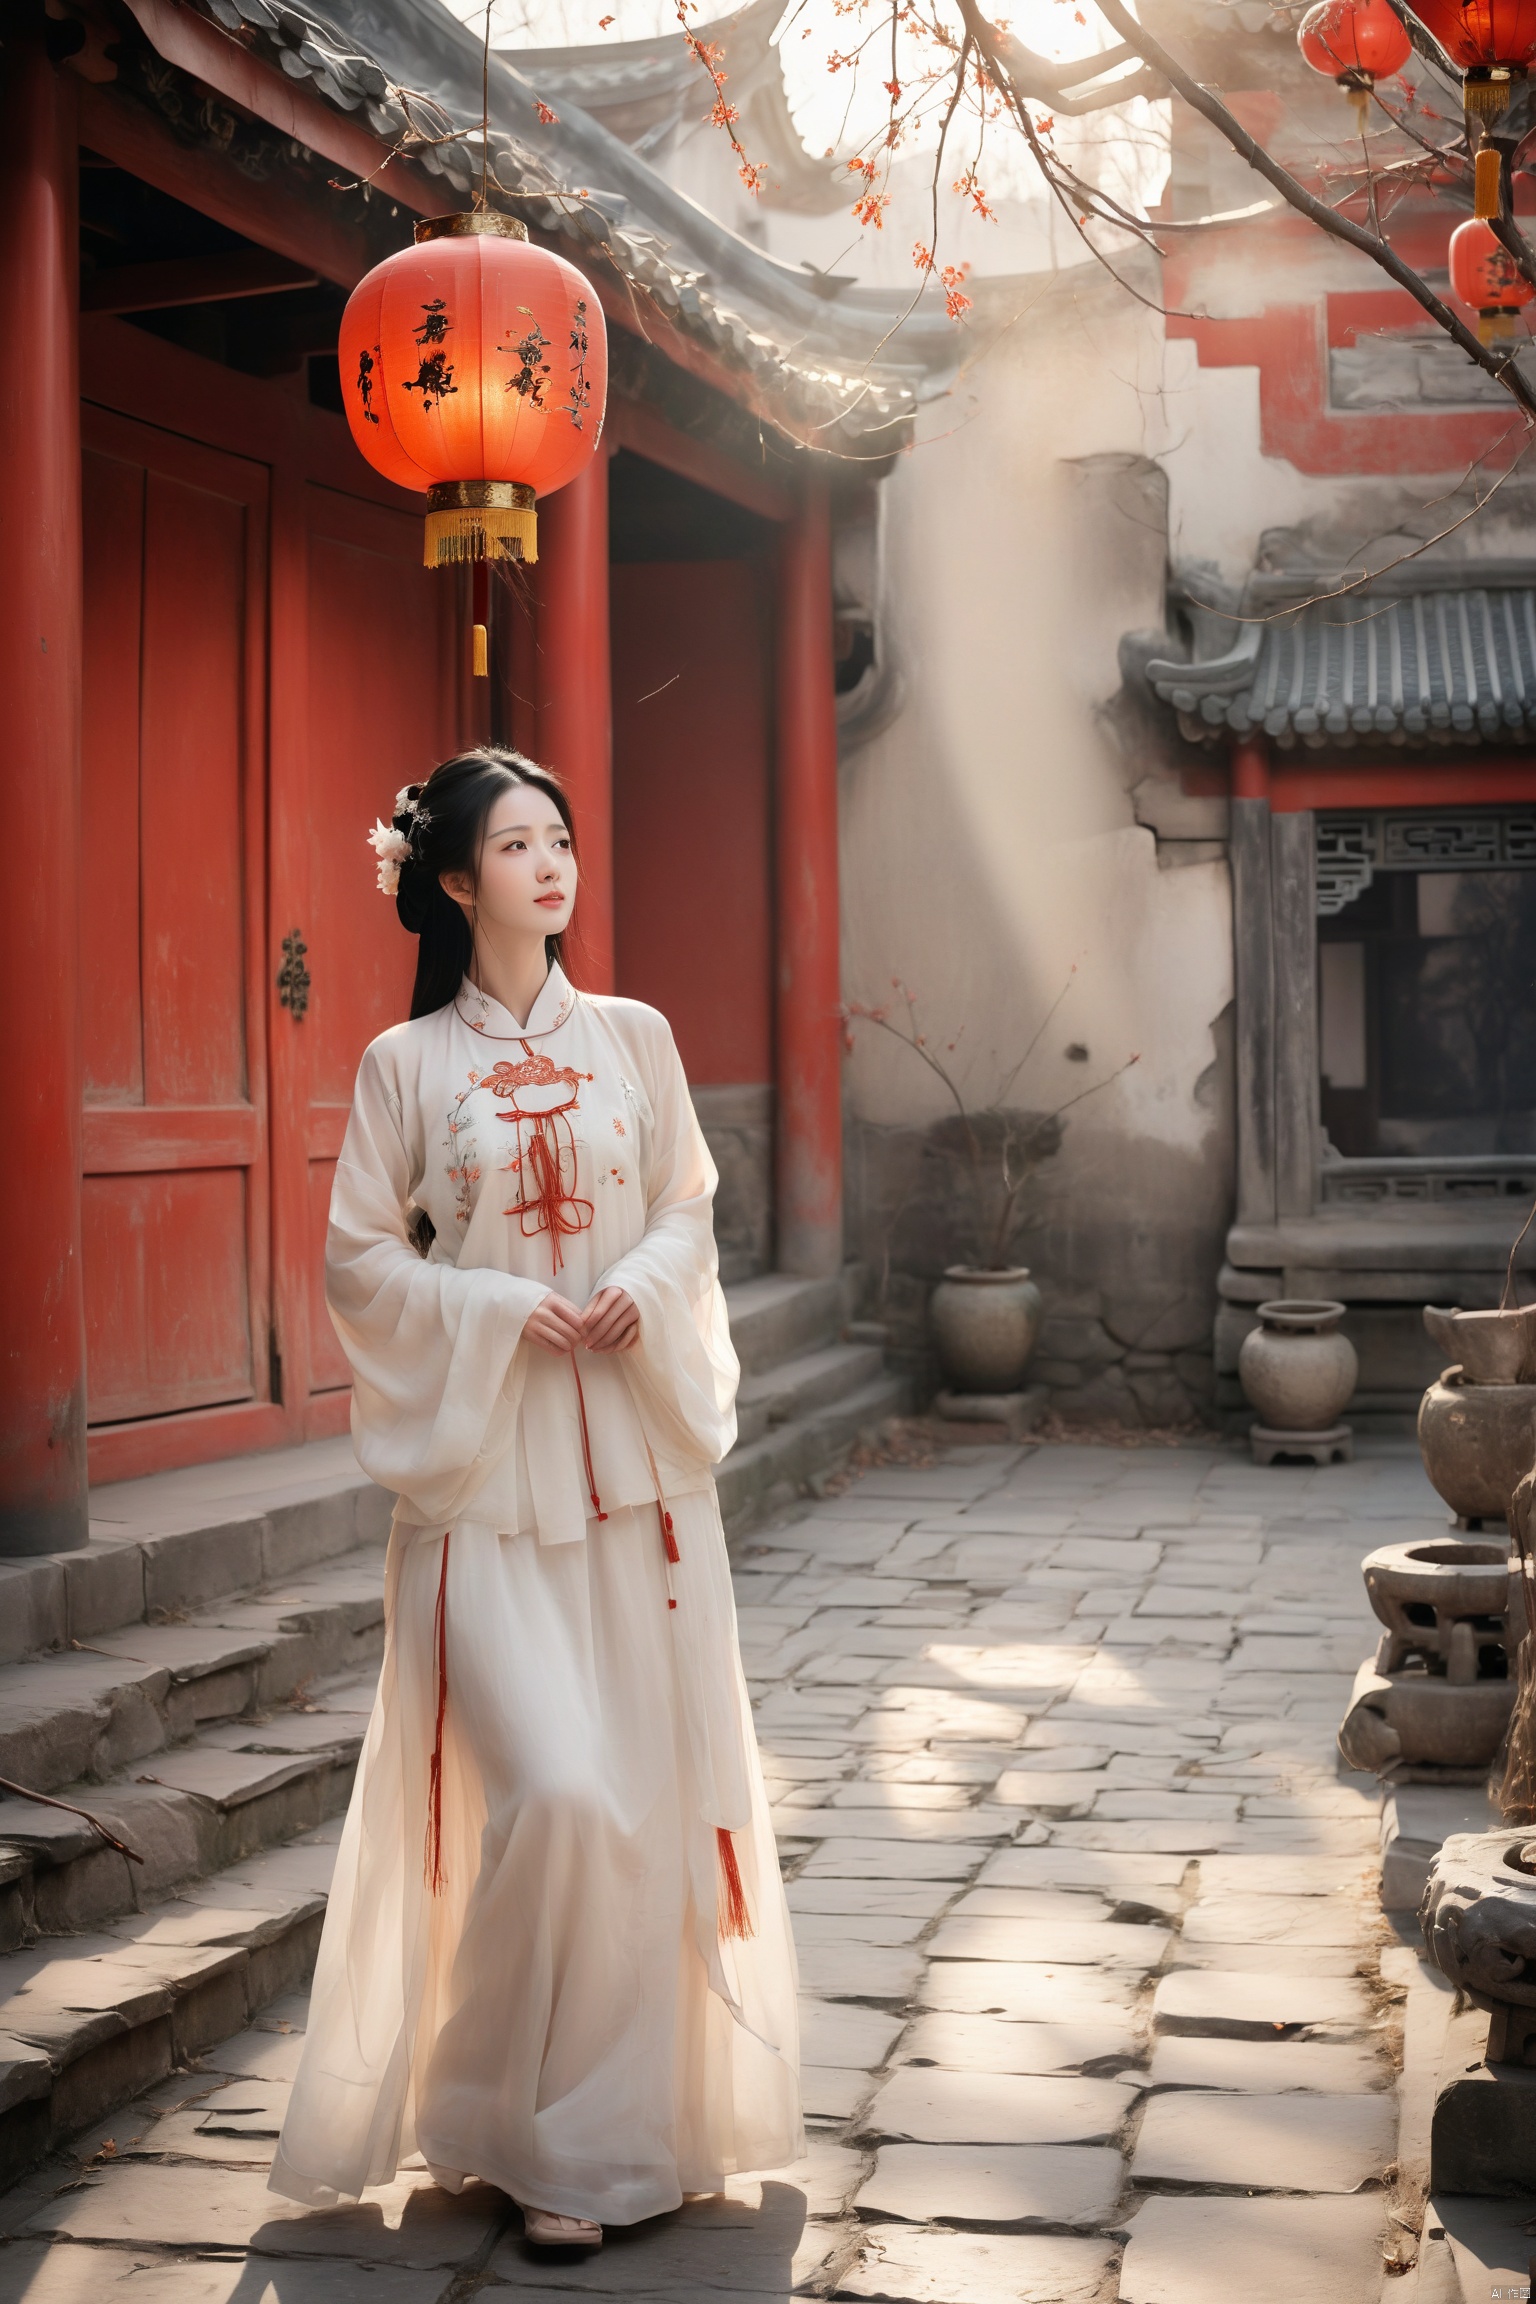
(391, 848)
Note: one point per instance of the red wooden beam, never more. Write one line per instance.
(640, 429)
(575, 700)
(809, 1026)
(42, 1312)
(176, 280)
(217, 59)
(272, 214)
(1458, 783)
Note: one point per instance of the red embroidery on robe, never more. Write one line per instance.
(541, 1098)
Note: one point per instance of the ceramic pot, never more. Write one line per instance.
(1488, 1347)
(984, 1326)
(1477, 1441)
(1295, 1367)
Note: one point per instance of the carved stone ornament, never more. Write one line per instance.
(1479, 1923)
(1444, 1604)
(1433, 1703)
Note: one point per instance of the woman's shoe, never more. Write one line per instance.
(547, 2230)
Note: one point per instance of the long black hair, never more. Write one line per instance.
(444, 820)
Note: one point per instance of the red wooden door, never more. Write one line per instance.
(691, 809)
(176, 1187)
(383, 710)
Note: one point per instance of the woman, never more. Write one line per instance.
(557, 1954)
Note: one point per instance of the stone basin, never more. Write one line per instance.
(1424, 1592)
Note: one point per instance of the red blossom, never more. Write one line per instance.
(549, 118)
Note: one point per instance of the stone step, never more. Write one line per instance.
(84, 1713)
(162, 1546)
(760, 1475)
(778, 1316)
(812, 1380)
(85, 2026)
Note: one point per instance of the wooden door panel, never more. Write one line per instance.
(113, 503)
(191, 789)
(177, 1171)
(382, 713)
(166, 1292)
(330, 1362)
(691, 821)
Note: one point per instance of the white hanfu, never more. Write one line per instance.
(561, 1732)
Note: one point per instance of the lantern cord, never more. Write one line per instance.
(485, 105)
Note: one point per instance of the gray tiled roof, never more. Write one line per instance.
(1449, 664)
(824, 359)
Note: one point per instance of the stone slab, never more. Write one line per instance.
(1274, 1920)
(1002, 2184)
(916, 1900)
(1028, 1994)
(753, 2247)
(1281, 2143)
(1084, 1943)
(1064, 1906)
(892, 1860)
(1268, 2067)
(845, 2036)
(1230, 2004)
(1489, 2240)
(831, 2092)
(966, 2043)
(1264, 2251)
(896, 2265)
(410, 2222)
(946, 2107)
(45, 2272)
(859, 1970)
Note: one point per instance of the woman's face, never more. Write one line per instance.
(527, 871)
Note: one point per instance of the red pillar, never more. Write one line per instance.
(1250, 768)
(808, 1025)
(575, 705)
(42, 1319)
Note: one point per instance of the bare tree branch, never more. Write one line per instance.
(1501, 366)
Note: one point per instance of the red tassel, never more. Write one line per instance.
(434, 1858)
(735, 1920)
(586, 1444)
(673, 1553)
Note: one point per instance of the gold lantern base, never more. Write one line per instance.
(1486, 90)
(481, 520)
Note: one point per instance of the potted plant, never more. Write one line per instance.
(985, 1312)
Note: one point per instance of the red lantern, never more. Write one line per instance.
(1492, 41)
(1485, 276)
(1356, 43)
(475, 366)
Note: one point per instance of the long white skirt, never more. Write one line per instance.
(561, 2018)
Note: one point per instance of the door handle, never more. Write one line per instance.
(293, 976)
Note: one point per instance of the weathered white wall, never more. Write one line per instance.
(991, 847)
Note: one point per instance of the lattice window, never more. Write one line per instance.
(1346, 860)
(1351, 850)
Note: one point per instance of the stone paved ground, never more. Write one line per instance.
(1093, 2007)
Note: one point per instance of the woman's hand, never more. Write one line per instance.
(555, 1325)
(611, 1322)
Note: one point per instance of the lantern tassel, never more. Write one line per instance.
(1486, 173)
(481, 532)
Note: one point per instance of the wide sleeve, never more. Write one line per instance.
(432, 1345)
(683, 1372)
